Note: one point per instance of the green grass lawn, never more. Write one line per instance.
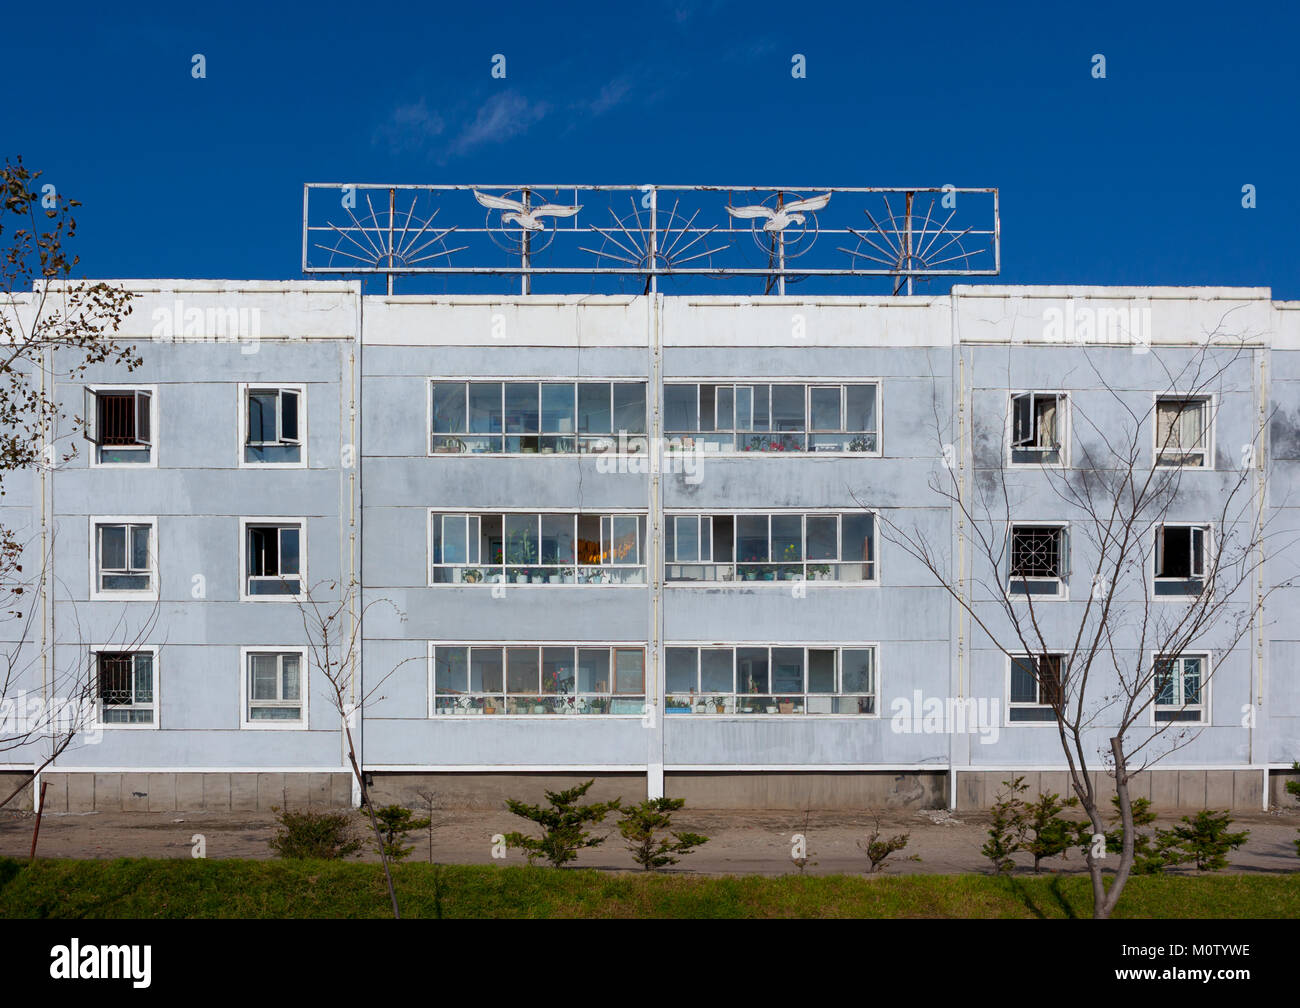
(144, 888)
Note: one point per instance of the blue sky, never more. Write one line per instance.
(1136, 178)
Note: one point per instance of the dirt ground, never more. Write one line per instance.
(758, 842)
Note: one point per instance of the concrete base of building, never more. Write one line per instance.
(1168, 790)
(195, 792)
(8, 781)
(1278, 796)
(489, 791)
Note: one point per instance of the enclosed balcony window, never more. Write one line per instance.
(770, 679)
(531, 548)
(536, 679)
(766, 417)
(537, 417)
(766, 547)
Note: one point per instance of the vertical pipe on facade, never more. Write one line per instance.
(47, 616)
(655, 755)
(1260, 459)
(356, 614)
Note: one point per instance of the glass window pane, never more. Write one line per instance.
(452, 541)
(557, 408)
(557, 539)
(744, 408)
(825, 408)
(762, 417)
(859, 537)
(522, 672)
(1191, 680)
(593, 670)
(680, 408)
(289, 416)
(821, 671)
(629, 407)
(725, 410)
(860, 402)
(112, 547)
(1024, 682)
(687, 538)
(627, 539)
(751, 538)
(822, 537)
(787, 407)
(521, 539)
(716, 670)
(261, 417)
(143, 678)
(629, 670)
(521, 407)
(485, 407)
(450, 669)
(292, 685)
(858, 671)
(593, 408)
(262, 684)
(787, 538)
(289, 551)
(787, 670)
(680, 673)
(140, 547)
(558, 672)
(485, 670)
(264, 552)
(751, 670)
(449, 407)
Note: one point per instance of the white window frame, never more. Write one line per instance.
(838, 646)
(244, 525)
(429, 432)
(873, 582)
(245, 389)
(1062, 593)
(431, 693)
(1207, 553)
(1209, 404)
(1204, 706)
(156, 706)
(809, 384)
(131, 594)
(246, 670)
(154, 445)
(1021, 705)
(646, 564)
(1064, 410)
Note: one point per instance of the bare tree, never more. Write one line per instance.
(333, 631)
(1102, 663)
(50, 326)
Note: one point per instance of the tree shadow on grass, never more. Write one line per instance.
(1056, 898)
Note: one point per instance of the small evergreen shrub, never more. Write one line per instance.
(328, 836)
(1203, 839)
(564, 825)
(647, 828)
(394, 823)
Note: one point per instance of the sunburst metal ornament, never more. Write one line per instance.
(907, 245)
(390, 241)
(658, 244)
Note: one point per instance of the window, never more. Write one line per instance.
(532, 417)
(536, 679)
(272, 425)
(1035, 686)
(770, 547)
(125, 688)
(274, 557)
(120, 423)
(1039, 432)
(531, 548)
(1182, 432)
(1180, 559)
(125, 559)
(274, 688)
(1039, 559)
(1181, 689)
(777, 679)
(762, 417)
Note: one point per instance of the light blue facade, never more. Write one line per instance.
(944, 368)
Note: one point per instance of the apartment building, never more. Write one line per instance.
(642, 538)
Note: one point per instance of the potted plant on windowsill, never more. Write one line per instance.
(819, 572)
(786, 706)
(672, 705)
